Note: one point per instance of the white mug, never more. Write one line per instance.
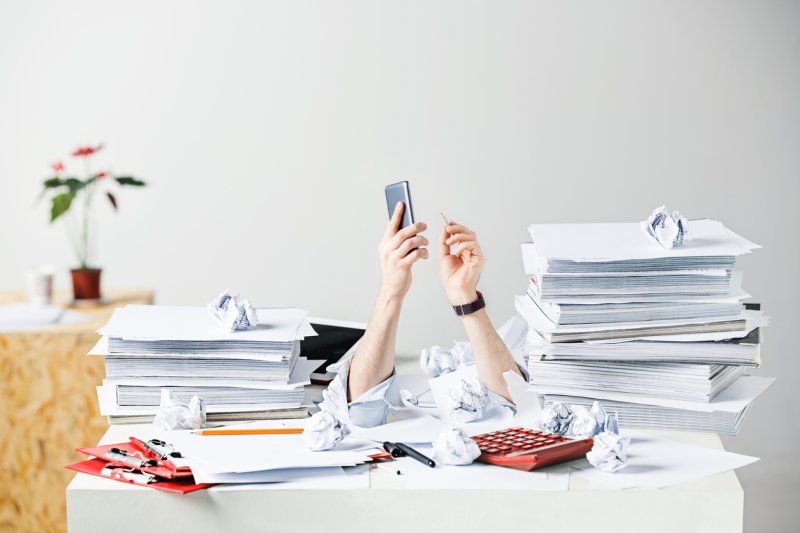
(40, 284)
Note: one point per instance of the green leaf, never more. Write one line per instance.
(112, 200)
(53, 182)
(129, 180)
(61, 204)
(74, 184)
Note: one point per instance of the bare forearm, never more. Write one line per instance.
(373, 361)
(491, 354)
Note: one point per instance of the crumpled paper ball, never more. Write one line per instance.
(324, 430)
(556, 419)
(667, 230)
(589, 422)
(173, 414)
(454, 447)
(436, 360)
(233, 312)
(609, 452)
(408, 398)
(468, 401)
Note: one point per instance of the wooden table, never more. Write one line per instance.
(48, 407)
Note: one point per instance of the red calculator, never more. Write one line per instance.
(527, 449)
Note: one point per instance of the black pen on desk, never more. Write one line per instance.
(414, 454)
(391, 448)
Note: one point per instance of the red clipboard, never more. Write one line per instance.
(181, 485)
(164, 469)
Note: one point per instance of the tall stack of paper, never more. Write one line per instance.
(658, 334)
(241, 375)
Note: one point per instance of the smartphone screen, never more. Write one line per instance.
(400, 192)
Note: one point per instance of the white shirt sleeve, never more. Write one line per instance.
(500, 401)
(368, 410)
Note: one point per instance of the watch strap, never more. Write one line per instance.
(468, 309)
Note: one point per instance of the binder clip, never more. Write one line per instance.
(120, 473)
(162, 450)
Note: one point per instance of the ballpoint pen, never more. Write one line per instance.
(414, 454)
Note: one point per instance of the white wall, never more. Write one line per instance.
(269, 129)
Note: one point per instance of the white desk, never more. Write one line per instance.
(712, 504)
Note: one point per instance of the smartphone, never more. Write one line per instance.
(400, 192)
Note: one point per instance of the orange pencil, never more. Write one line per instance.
(276, 431)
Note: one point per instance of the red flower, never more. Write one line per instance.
(84, 151)
(58, 167)
(102, 174)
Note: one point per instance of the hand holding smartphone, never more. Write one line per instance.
(400, 192)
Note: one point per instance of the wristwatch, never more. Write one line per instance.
(468, 309)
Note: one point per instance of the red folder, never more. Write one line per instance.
(164, 469)
(181, 485)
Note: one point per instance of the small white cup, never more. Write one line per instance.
(40, 284)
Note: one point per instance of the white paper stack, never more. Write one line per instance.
(680, 381)
(724, 414)
(241, 375)
(614, 316)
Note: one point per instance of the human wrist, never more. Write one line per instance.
(462, 296)
(390, 296)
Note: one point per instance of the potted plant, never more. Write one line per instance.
(72, 198)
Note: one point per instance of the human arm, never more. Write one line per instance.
(460, 271)
(399, 249)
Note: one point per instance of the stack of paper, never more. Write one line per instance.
(241, 375)
(680, 381)
(614, 316)
(724, 414)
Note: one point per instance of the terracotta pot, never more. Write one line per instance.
(86, 283)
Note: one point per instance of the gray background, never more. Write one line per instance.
(269, 129)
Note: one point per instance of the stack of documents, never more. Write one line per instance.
(724, 414)
(658, 334)
(241, 375)
(680, 381)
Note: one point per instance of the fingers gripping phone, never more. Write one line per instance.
(400, 192)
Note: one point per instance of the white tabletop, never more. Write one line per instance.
(711, 504)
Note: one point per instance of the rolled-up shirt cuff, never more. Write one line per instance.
(500, 401)
(370, 409)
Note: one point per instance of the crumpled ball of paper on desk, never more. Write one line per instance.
(609, 452)
(468, 401)
(324, 430)
(454, 447)
(667, 230)
(172, 414)
(556, 419)
(233, 312)
(436, 360)
(589, 422)
(409, 399)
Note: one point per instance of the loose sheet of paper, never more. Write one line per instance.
(416, 429)
(477, 476)
(336, 477)
(161, 322)
(655, 462)
(253, 453)
(622, 241)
